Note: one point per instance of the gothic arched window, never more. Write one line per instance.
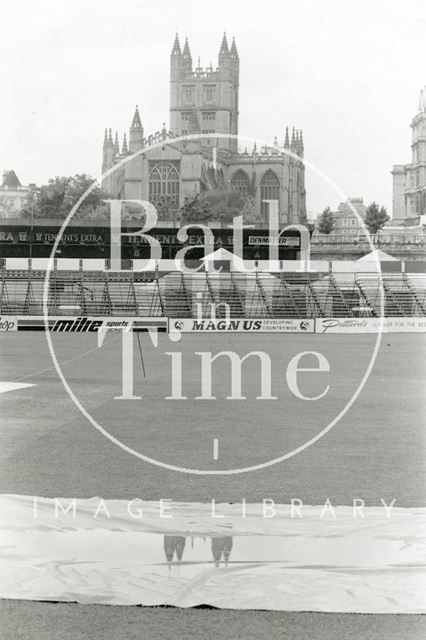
(164, 187)
(269, 190)
(240, 182)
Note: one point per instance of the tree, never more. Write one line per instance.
(47, 200)
(60, 194)
(250, 211)
(76, 186)
(221, 205)
(195, 210)
(225, 204)
(326, 222)
(375, 218)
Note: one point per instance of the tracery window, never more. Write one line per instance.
(269, 190)
(164, 188)
(188, 94)
(209, 92)
(240, 181)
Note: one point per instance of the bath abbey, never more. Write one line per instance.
(201, 151)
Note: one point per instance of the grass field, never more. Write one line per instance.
(48, 449)
(375, 451)
(25, 620)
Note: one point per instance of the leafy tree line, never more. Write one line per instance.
(56, 199)
(219, 205)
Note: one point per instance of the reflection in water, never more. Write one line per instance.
(174, 547)
(221, 549)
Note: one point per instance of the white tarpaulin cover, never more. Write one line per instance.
(111, 552)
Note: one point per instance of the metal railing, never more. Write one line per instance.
(250, 295)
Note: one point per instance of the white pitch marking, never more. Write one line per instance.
(215, 449)
(14, 386)
(153, 334)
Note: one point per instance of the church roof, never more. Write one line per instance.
(10, 179)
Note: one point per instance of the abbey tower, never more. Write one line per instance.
(168, 171)
(212, 94)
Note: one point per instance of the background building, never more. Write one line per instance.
(13, 196)
(409, 180)
(205, 101)
(348, 239)
(346, 223)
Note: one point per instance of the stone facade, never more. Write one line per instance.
(347, 226)
(204, 103)
(13, 196)
(346, 222)
(409, 181)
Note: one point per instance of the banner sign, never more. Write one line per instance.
(84, 324)
(8, 323)
(282, 241)
(243, 325)
(97, 235)
(370, 325)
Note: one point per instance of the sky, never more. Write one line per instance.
(347, 73)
